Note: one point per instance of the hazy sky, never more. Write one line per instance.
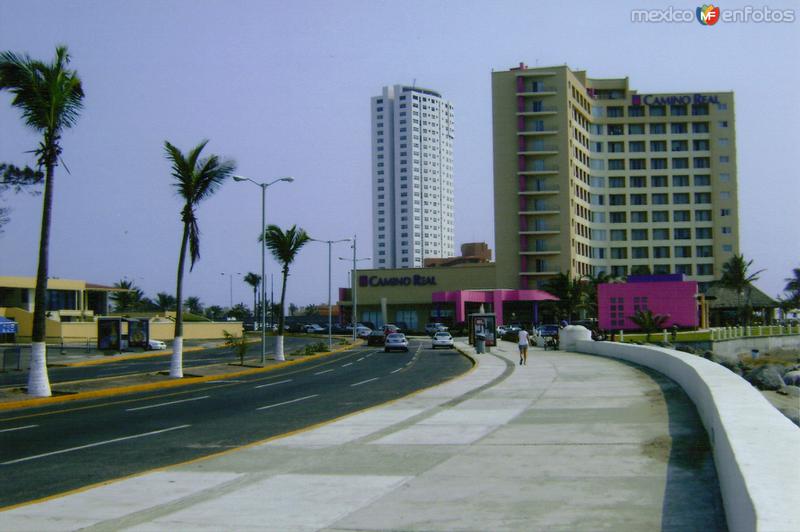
(284, 89)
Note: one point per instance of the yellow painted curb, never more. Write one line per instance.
(40, 401)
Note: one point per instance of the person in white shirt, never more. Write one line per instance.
(523, 347)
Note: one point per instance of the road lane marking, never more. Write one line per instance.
(165, 404)
(273, 383)
(18, 428)
(364, 382)
(348, 364)
(221, 382)
(398, 369)
(360, 359)
(288, 402)
(324, 371)
(115, 440)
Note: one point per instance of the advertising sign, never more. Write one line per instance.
(109, 333)
(138, 332)
(484, 325)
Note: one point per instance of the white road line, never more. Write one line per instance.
(18, 428)
(220, 382)
(360, 359)
(348, 364)
(288, 402)
(165, 404)
(369, 355)
(409, 362)
(398, 369)
(93, 445)
(324, 371)
(364, 382)
(273, 383)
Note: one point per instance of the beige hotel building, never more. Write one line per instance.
(592, 176)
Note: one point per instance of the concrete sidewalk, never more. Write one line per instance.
(568, 442)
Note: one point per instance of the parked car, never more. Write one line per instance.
(432, 328)
(156, 345)
(364, 332)
(501, 331)
(442, 339)
(313, 328)
(376, 338)
(514, 327)
(396, 341)
(390, 328)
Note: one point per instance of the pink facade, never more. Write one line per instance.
(617, 302)
(495, 297)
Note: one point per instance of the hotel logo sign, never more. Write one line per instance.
(406, 280)
(683, 99)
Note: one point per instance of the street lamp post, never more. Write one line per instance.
(355, 288)
(263, 243)
(330, 314)
(230, 275)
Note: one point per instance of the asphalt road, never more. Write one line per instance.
(57, 374)
(49, 450)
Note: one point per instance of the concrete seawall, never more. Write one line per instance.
(755, 447)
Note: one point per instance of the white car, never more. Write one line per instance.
(363, 332)
(156, 345)
(442, 339)
(396, 341)
(313, 328)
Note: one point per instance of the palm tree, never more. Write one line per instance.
(284, 247)
(165, 302)
(735, 275)
(253, 279)
(131, 299)
(50, 97)
(194, 305)
(590, 287)
(793, 287)
(196, 179)
(570, 293)
(649, 322)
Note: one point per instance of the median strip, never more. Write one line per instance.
(115, 440)
(166, 404)
(287, 402)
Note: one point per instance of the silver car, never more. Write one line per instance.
(442, 339)
(396, 341)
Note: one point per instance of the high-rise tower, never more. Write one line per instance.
(412, 177)
(591, 176)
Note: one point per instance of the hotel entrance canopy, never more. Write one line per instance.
(496, 297)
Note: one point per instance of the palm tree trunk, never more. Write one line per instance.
(38, 380)
(279, 339)
(176, 362)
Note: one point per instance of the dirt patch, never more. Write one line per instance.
(658, 448)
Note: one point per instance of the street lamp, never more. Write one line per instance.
(330, 314)
(355, 289)
(261, 232)
(230, 275)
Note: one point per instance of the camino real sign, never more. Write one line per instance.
(400, 280)
(679, 99)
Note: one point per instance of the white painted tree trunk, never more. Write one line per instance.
(279, 348)
(176, 362)
(38, 381)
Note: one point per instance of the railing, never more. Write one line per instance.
(752, 331)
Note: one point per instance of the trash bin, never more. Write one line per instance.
(480, 344)
(754, 353)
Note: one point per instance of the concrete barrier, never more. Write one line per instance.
(755, 446)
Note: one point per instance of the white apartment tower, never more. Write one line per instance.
(412, 177)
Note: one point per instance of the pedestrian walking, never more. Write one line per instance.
(523, 347)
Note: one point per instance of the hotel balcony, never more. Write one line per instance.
(537, 148)
(539, 188)
(527, 109)
(538, 169)
(540, 227)
(539, 209)
(533, 131)
(541, 250)
(536, 89)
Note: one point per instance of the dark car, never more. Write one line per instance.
(375, 338)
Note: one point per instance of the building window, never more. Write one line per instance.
(658, 129)
(636, 129)
(661, 252)
(677, 128)
(705, 269)
(619, 253)
(639, 217)
(660, 199)
(702, 216)
(683, 252)
(659, 181)
(617, 218)
(660, 216)
(619, 234)
(682, 233)
(702, 197)
(702, 233)
(661, 234)
(704, 251)
(616, 182)
(725, 212)
(681, 216)
(700, 127)
(680, 162)
(702, 180)
(680, 198)
(639, 253)
(636, 146)
(638, 234)
(658, 145)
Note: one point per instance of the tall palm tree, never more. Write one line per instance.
(590, 287)
(194, 305)
(569, 291)
(195, 180)
(254, 280)
(284, 247)
(50, 97)
(165, 301)
(735, 275)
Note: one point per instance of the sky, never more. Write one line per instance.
(284, 89)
